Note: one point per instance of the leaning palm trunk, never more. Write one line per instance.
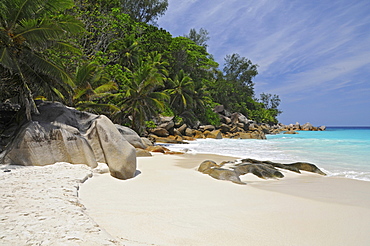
(27, 99)
(26, 32)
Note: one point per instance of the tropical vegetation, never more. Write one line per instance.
(109, 57)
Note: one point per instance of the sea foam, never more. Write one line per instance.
(341, 152)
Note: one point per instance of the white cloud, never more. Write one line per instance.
(301, 47)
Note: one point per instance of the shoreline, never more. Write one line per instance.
(316, 187)
(170, 203)
(347, 167)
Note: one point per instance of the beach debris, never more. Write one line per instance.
(232, 170)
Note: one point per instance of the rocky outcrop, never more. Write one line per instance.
(215, 134)
(157, 149)
(215, 171)
(142, 153)
(64, 134)
(146, 142)
(322, 128)
(263, 169)
(298, 127)
(160, 132)
(131, 136)
(111, 148)
(307, 127)
(233, 125)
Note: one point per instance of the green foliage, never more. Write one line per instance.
(212, 117)
(181, 92)
(167, 111)
(144, 10)
(92, 87)
(138, 99)
(233, 87)
(120, 65)
(199, 38)
(184, 54)
(178, 120)
(28, 29)
(150, 124)
(265, 111)
(268, 110)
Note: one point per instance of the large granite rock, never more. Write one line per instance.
(167, 125)
(207, 128)
(322, 128)
(216, 134)
(219, 109)
(64, 134)
(160, 132)
(131, 136)
(307, 127)
(182, 129)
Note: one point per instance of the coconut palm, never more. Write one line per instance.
(27, 30)
(92, 87)
(139, 99)
(91, 82)
(181, 92)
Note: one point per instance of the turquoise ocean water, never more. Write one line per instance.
(339, 151)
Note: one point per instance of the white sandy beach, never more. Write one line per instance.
(40, 206)
(170, 203)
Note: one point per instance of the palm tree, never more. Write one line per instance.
(91, 82)
(181, 93)
(28, 29)
(139, 99)
(92, 87)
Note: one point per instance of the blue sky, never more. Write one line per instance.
(315, 54)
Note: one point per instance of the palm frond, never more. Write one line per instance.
(47, 67)
(58, 5)
(78, 93)
(37, 32)
(97, 107)
(107, 87)
(84, 74)
(67, 47)
(70, 24)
